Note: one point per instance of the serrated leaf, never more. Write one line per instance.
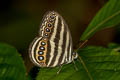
(102, 64)
(11, 64)
(107, 17)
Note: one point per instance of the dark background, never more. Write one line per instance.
(20, 21)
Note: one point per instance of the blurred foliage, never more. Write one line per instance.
(11, 64)
(108, 16)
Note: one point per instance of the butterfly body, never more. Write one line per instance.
(53, 47)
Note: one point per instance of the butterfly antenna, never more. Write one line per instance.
(81, 45)
(75, 66)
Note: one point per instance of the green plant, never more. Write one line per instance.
(102, 63)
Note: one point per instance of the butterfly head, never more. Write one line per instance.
(75, 55)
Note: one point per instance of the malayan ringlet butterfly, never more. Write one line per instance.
(53, 46)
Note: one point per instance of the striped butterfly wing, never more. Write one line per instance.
(53, 47)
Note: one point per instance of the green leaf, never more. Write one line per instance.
(68, 72)
(107, 17)
(102, 64)
(113, 46)
(11, 64)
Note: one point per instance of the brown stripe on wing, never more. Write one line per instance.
(48, 52)
(71, 45)
(68, 50)
(64, 44)
(56, 40)
(71, 51)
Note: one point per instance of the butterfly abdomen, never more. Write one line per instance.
(57, 42)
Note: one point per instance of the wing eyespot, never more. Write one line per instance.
(47, 30)
(43, 43)
(46, 35)
(40, 58)
(52, 16)
(49, 25)
(40, 52)
(42, 48)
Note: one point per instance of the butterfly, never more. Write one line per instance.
(53, 46)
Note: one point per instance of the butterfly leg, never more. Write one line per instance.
(60, 67)
(75, 65)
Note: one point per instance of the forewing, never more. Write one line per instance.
(60, 43)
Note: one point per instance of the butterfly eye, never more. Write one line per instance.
(75, 55)
(40, 58)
